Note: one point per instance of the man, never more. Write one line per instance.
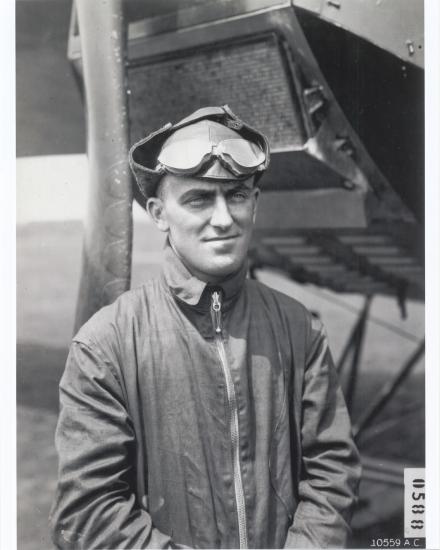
(202, 409)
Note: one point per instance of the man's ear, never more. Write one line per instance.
(155, 208)
(256, 197)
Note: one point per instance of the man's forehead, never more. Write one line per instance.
(183, 184)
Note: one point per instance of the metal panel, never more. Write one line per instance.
(394, 25)
(200, 14)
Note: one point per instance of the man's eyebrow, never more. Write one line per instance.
(197, 191)
(239, 186)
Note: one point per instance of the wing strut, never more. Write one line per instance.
(106, 266)
(355, 341)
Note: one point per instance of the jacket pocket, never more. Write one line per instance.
(158, 510)
(173, 500)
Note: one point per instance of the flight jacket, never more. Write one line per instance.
(202, 416)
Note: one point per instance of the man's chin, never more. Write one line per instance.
(222, 267)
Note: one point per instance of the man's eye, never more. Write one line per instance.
(197, 201)
(239, 196)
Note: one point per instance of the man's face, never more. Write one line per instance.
(209, 223)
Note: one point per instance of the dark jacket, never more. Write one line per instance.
(181, 425)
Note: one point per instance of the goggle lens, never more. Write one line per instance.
(184, 155)
(245, 154)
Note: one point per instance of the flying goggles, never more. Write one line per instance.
(241, 157)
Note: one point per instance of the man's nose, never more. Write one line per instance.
(221, 217)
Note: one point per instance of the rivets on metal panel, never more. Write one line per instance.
(410, 46)
(345, 145)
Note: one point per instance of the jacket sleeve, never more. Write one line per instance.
(95, 504)
(330, 461)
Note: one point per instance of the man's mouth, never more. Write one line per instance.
(223, 238)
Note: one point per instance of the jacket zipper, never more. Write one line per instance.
(233, 420)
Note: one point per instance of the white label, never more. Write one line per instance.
(415, 505)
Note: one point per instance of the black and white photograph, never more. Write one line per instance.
(220, 274)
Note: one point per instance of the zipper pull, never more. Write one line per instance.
(217, 311)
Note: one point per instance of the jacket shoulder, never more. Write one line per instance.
(286, 304)
(118, 316)
(293, 316)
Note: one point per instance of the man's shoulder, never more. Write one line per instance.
(111, 319)
(284, 301)
(292, 314)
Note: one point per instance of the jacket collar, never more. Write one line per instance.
(191, 290)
